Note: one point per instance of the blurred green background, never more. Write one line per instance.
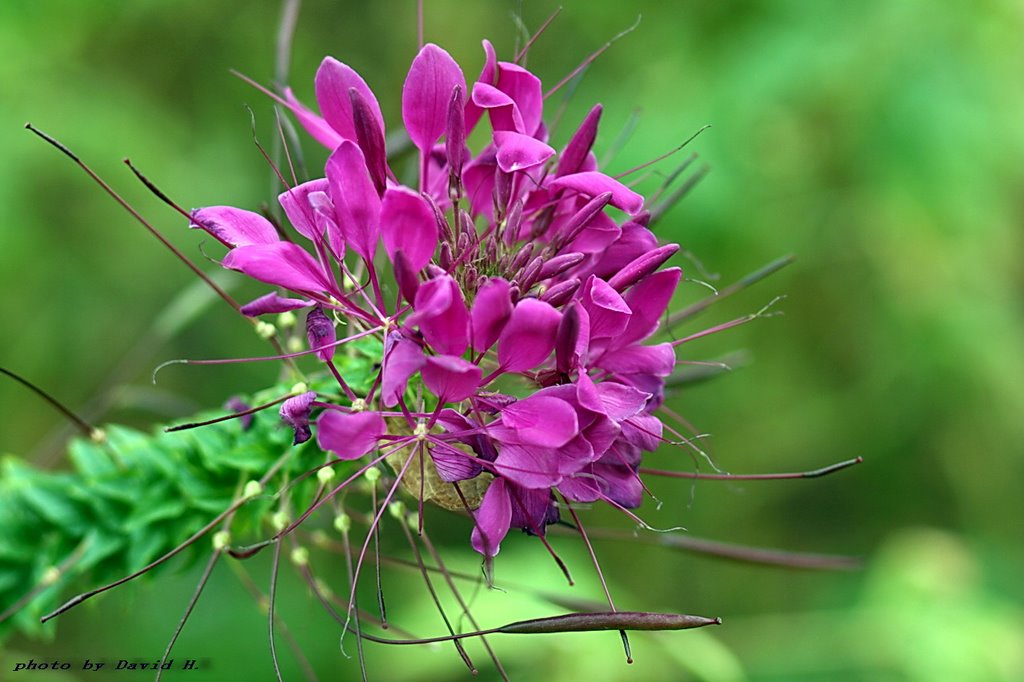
(881, 142)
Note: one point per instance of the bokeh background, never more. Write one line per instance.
(880, 142)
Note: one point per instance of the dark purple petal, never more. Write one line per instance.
(565, 340)
(559, 264)
(450, 378)
(608, 311)
(453, 464)
(518, 152)
(316, 126)
(541, 420)
(491, 311)
(592, 183)
(575, 153)
(272, 303)
(320, 333)
(532, 509)
(492, 519)
(356, 201)
(561, 293)
(407, 224)
(442, 316)
(283, 264)
(643, 431)
(333, 82)
(234, 226)
(295, 413)
(426, 93)
(402, 359)
(236, 404)
(529, 336)
(405, 276)
(349, 436)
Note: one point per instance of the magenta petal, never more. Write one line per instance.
(407, 223)
(518, 152)
(643, 431)
(272, 303)
(234, 226)
(356, 201)
(492, 519)
(283, 264)
(450, 378)
(295, 412)
(300, 211)
(525, 89)
(529, 336)
(442, 316)
(621, 401)
(316, 126)
(491, 310)
(333, 80)
(402, 359)
(349, 436)
(530, 466)
(541, 420)
(426, 94)
(575, 153)
(592, 183)
(502, 108)
(609, 313)
(657, 360)
(487, 76)
(648, 300)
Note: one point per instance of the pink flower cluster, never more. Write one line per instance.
(515, 308)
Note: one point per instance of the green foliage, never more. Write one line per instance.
(134, 497)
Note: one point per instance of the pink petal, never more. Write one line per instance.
(648, 299)
(349, 436)
(502, 108)
(592, 183)
(272, 303)
(491, 310)
(333, 80)
(609, 313)
(530, 466)
(487, 76)
(297, 206)
(442, 316)
(316, 126)
(657, 360)
(529, 336)
(575, 153)
(283, 264)
(402, 359)
(234, 226)
(518, 152)
(525, 89)
(426, 93)
(492, 519)
(450, 378)
(541, 420)
(407, 223)
(356, 202)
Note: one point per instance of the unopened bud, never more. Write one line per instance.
(397, 510)
(559, 264)
(641, 267)
(325, 475)
(221, 540)
(372, 475)
(265, 330)
(279, 520)
(300, 556)
(286, 320)
(343, 523)
(559, 295)
(252, 489)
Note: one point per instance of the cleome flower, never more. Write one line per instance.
(521, 288)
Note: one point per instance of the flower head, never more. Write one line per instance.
(522, 288)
